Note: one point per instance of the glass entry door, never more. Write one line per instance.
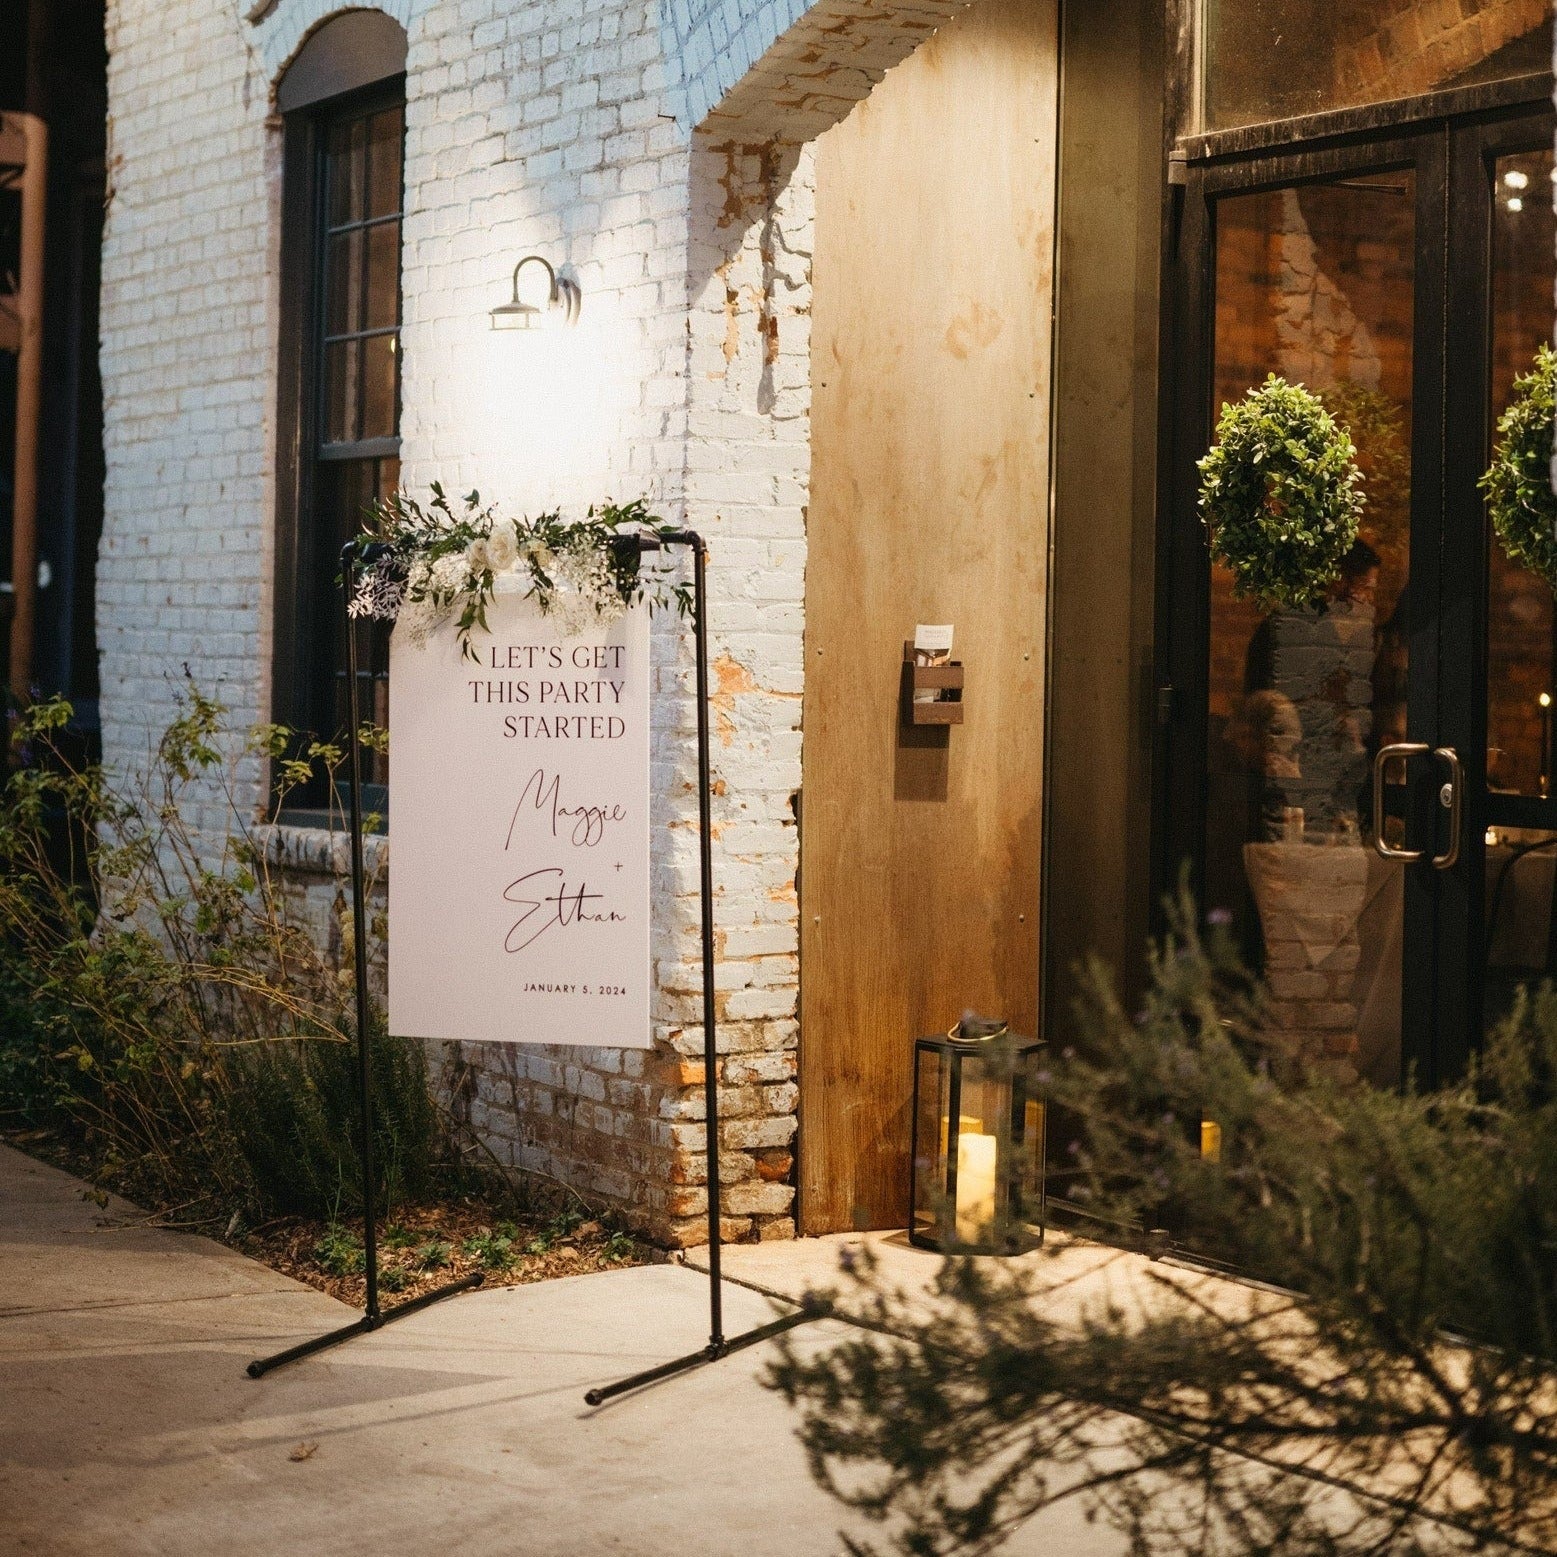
(1365, 788)
(1498, 670)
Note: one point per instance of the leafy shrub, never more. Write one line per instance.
(435, 1254)
(1279, 495)
(159, 998)
(1518, 483)
(494, 1248)
(559, 1226)
(299, 1127)
(1402, 1341)
(340, 1253)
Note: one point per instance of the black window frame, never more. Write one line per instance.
(307, 599)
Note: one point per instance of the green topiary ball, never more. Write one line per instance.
(1518, 483)
(1279, 495)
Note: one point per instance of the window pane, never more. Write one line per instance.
(386, 135)
(379, 364)
(1276, 59)
(344, 170)
(1317, 283)
(1519, 608)
(383, 310)
(354, 310)
(343, 283)
(340, 420)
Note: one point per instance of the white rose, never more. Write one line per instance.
(450, 574)
(478, 555)
(502, 549)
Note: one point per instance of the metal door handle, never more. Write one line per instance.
(1454, 799)
(1387, 754)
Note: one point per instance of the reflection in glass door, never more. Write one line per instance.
(1316, 281)
(1407, 283)
(1521, 666)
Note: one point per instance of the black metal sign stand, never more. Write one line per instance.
(719, 1345)
(374, 1317)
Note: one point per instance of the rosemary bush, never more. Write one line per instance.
(1403, 1352)
(1279, 495)
(161, 1002)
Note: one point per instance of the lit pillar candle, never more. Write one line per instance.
(1545, 700)
(975, 1186)
(1210, 1140)
(967, 1124)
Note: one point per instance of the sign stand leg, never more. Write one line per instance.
(719, 1345)
(374, 1317)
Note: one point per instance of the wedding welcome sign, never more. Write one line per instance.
(519, 868)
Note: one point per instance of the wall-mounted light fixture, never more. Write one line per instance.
(559, 305)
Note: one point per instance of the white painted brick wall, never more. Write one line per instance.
(656, 152)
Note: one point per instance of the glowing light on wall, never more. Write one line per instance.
(533, 395)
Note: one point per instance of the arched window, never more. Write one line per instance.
(343, 99)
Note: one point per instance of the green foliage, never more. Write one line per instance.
(1404, 1341)
(493, 1247)
(619, 1246)
(157, 997)
(435, 1254)
(397, 1236)
(1518, 483)
(443, 563)
(299, 1130)
(566, 1221)
(1279, 495)
(340, 1253)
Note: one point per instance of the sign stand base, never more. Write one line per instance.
(719, 1345)
(375, 1318)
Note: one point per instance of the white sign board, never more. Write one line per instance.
(519, 837)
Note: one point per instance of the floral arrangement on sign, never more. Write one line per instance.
(1518, 483)
(423, 567)
(1279, 495)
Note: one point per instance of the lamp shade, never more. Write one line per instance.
(558, 304)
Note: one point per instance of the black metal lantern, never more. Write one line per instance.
(978, 1141)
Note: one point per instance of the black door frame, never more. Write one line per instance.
(1463, 632)
(1448, 139)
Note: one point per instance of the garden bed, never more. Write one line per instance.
(421, 1246)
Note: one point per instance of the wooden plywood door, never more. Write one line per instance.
(932, 280)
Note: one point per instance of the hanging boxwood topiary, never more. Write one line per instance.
(1279, 495)
(1518, 483)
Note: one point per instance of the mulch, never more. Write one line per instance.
(424, 1247)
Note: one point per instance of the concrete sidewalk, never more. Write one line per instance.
(127, 1424)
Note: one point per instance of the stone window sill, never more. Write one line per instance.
(318, 847)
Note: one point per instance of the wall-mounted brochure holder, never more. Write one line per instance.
(942, 682)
